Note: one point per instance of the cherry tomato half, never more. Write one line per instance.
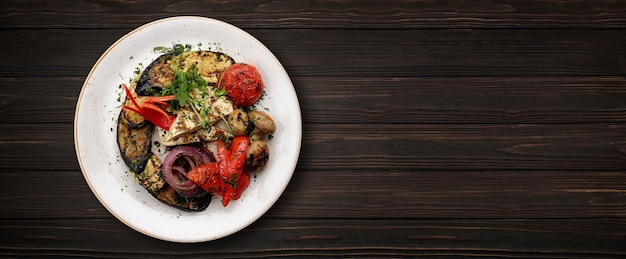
(243, 84)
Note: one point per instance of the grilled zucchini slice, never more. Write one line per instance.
(210, 64)
(151, 177)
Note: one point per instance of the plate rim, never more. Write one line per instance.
(292, 164)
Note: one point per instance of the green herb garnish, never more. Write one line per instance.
(183, 84)
(176, 49)
(219, 92)
(190, 90)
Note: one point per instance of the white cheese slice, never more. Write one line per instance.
(211, 133)
(185, 122)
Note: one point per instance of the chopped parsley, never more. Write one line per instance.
(176, 49)
(219, 92)
(189, 90)
(183, 84)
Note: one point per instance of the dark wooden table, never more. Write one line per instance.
(430, 128)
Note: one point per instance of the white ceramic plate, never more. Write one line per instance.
(107, 175)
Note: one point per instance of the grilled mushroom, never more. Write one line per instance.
(238, 122)
(257, 155)
(262, 121)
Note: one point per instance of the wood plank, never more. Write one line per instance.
(431, 128)
(374, 100)
(51, 145)
(367, 194)
(453, 194)
(359, 53)
(39, 99)
(571, 238)
(462, 99)
(384, 147)
(463, 147)
(327, 14)
(48, 194)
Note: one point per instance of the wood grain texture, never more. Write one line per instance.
(321, 14)
(489, 128)
(452, 146)
(385, 147)
(450, 100)
(361, 53)
(364, 194)
(379, 100)
(321, 238)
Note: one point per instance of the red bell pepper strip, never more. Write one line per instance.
(242, 184)
(207, 177)
(226, 177)
(157, 116)
(153, 109)
(222, 158)
(223, 155)
(160, 100)
(231, 169)
(130, 96)
(238, 149)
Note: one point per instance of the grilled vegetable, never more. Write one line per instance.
(182, 83)
(210, 64)
(257, 155)
(243, 84)
(152, 109)
(238, 122)
(179, 161)
(231, 164)
(262, 121)
(134, 144)
(170, 197)
(156, 76)
(207, 177)
(151, 177)
(133, 119)
(180, 192)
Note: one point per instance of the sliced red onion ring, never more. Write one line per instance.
(175, 174)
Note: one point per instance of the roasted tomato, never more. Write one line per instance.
(243, 84)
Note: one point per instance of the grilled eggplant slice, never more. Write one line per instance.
(134, 144)
(135, 147)
(170, 197)
(134, 133)
(151, 178)
(133, 119)
(210, 64)
(156, 76)
(160, 73)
